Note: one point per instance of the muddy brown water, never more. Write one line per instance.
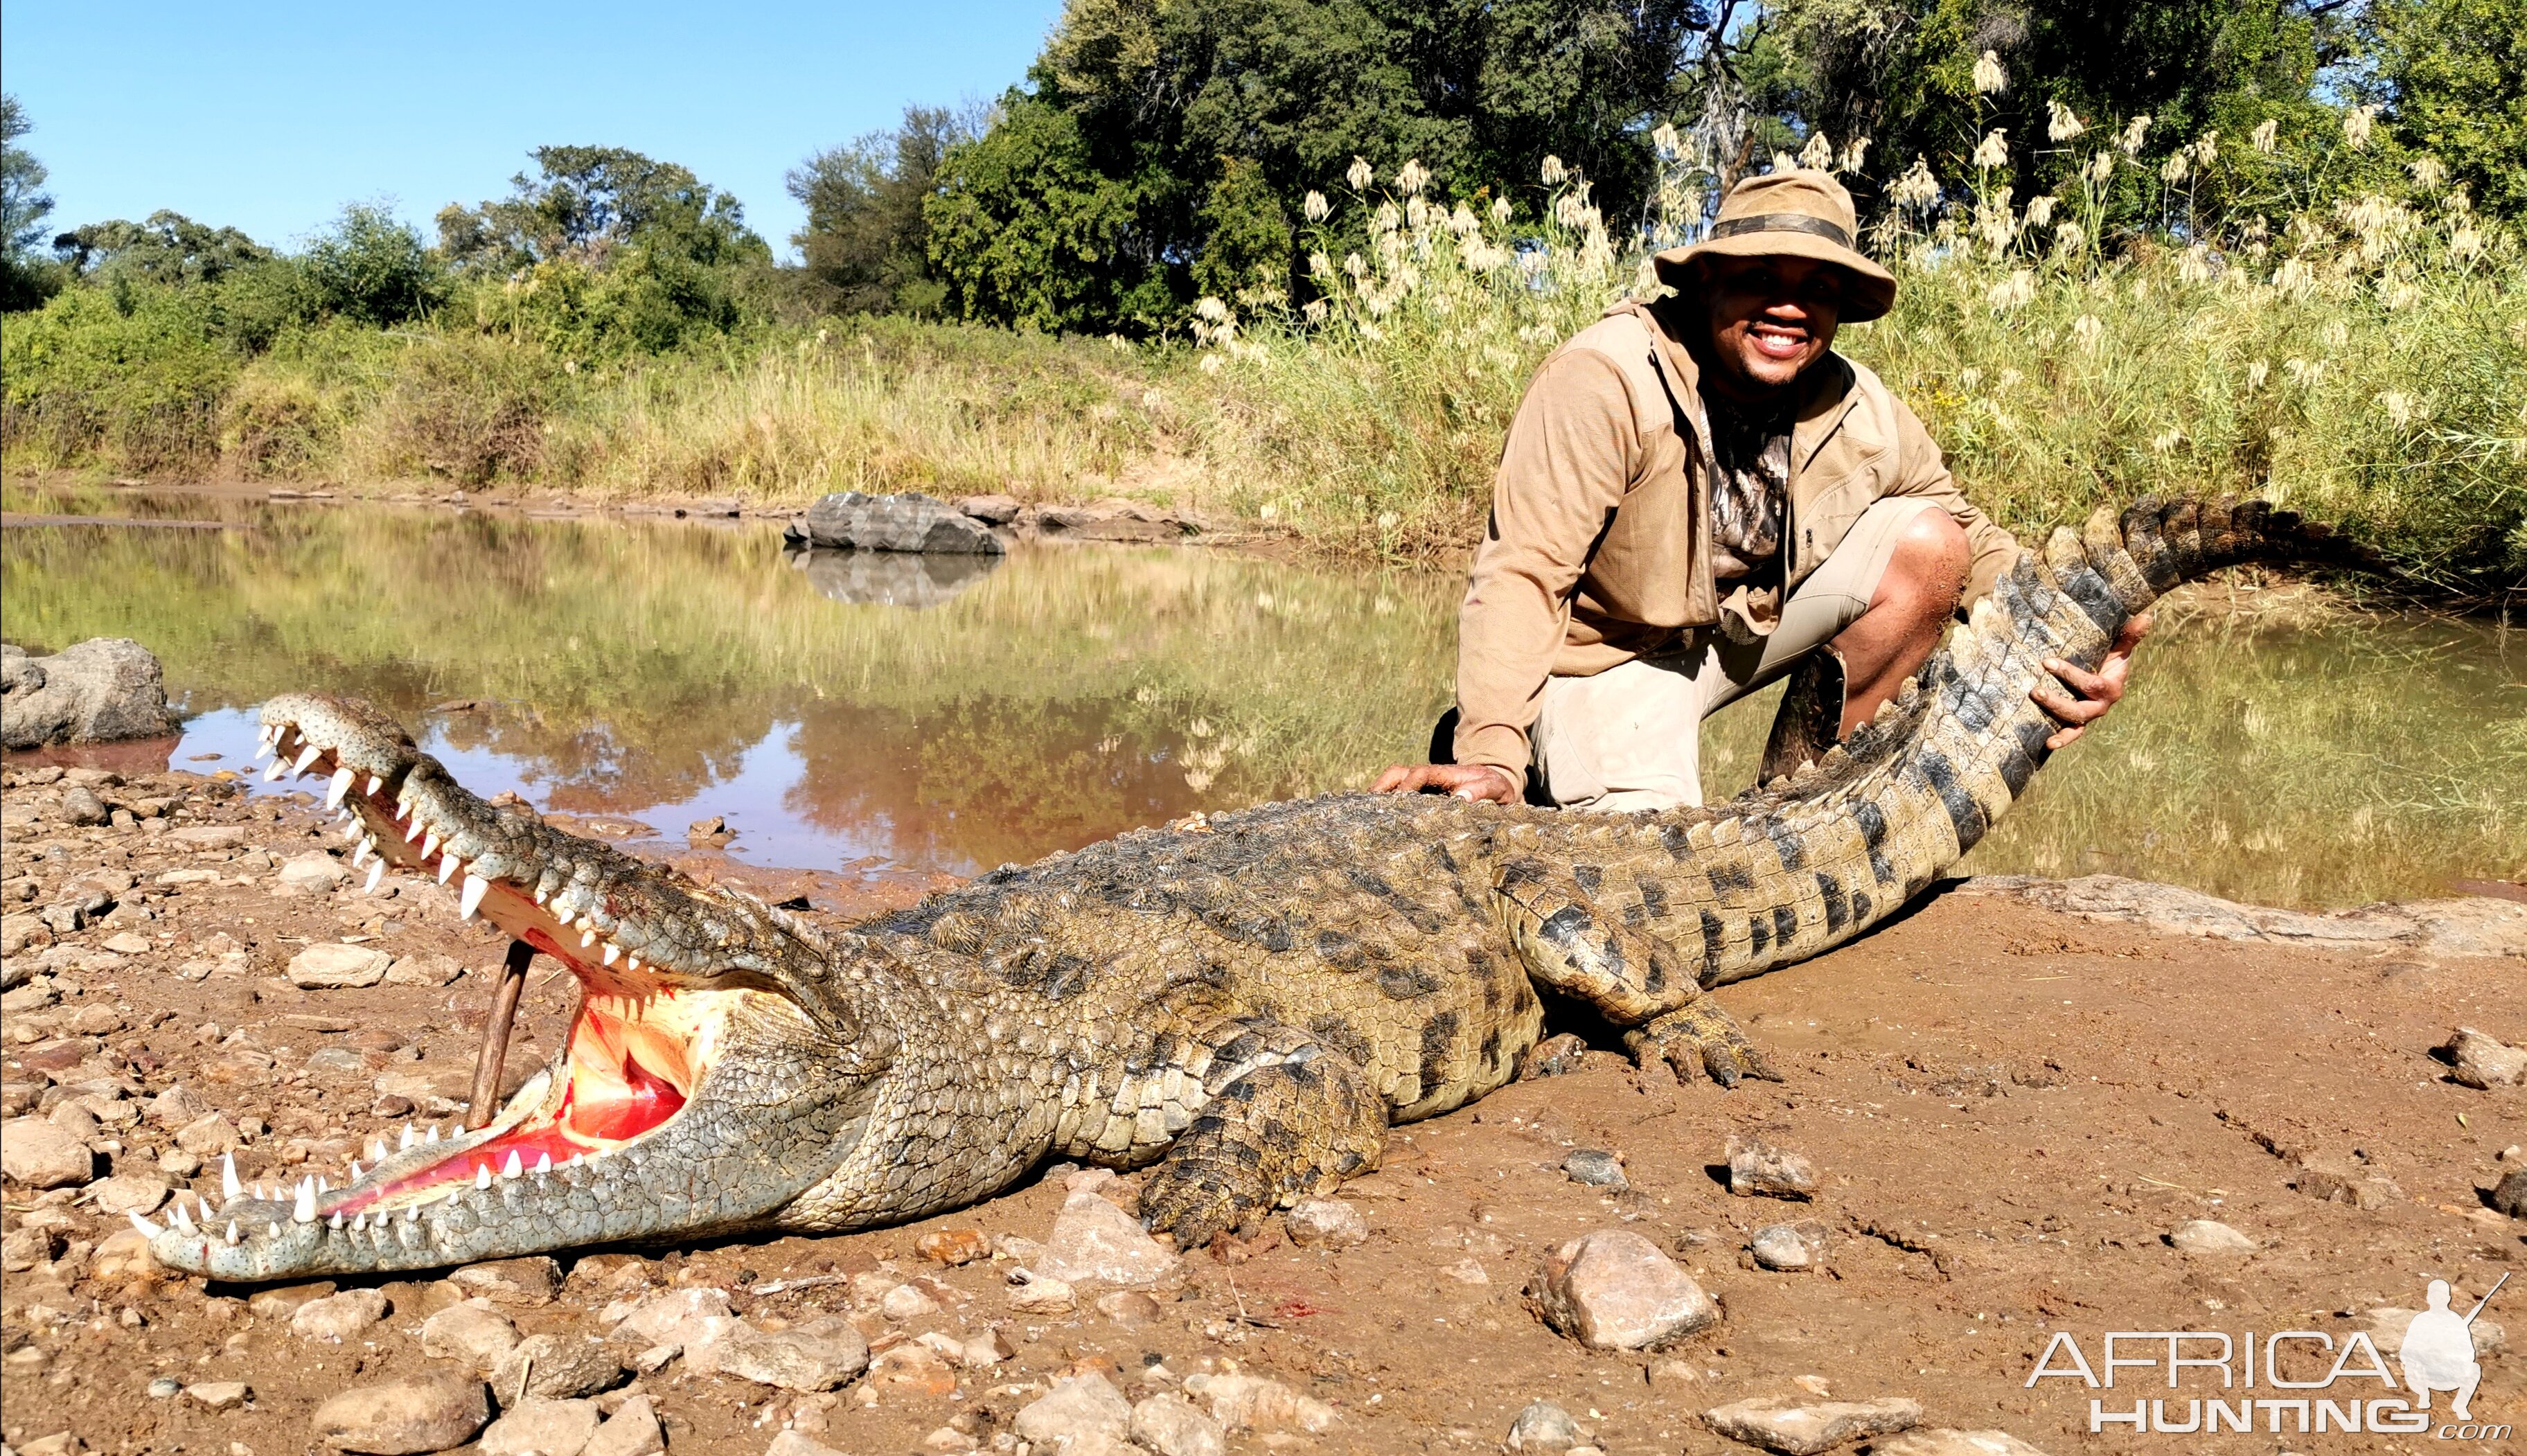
(898, 721)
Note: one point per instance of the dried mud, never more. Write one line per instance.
(2009, 1110)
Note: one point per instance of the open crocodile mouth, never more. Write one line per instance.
(648, 1031)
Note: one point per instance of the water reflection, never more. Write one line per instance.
(918, 580)
(897, 720)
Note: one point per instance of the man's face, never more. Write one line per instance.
(1770, 318)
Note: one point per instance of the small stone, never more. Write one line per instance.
(632, 1430)
(1614, 1290)
(1171, 1426)
(1596, 1168)
(427, 970)
(339, 1317)
(1759, 1168)
(954, 1246)
(2334, 1183)
(1553, 1056)
(912, 1368)
(1544, 1426)
(2210, 1237)
(906, 1302)
(1326, 1223)
(1945, 1442)
(1094, 1240)
(404, 1418)
(687, 1318)
(654, 1359)
(213, 1396)
(2510, 1195)
(281, 1301)
(1129, 1308)
(1468, 1270)
(1081, 1406)
(1031, 1294)
(2483, 1061)
(819, 1355)
(1243, 1402)
(986, 1350)
(166, 1387)
(511, 1282)
(177, 1107)
(1673, 1374)
(313, 873)
(208, 1136)
(992, 510)
(80, 805)
(791, 1443)
(58, 1443)
(128, 1193)
(1788, 1248)
(43, 1154)
(473, 1332)
(125, 943)
(947, 1439)
(123, 1257)
(537, 1427)
(1786, 1425)
(331, 967)
(556, 1367)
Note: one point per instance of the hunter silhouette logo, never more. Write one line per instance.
(2356, 1390)
(2438, 1350)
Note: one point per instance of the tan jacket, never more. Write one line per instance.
(1599, 547)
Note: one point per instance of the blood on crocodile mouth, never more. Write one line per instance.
(640, 1042)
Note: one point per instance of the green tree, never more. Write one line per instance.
(25, 280)
(1025, 230)
(866, 244)
(2454, 74)
(370, 268)
(166, 248)
(585, 201)
(1207, 121)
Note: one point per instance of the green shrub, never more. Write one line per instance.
(129, 378)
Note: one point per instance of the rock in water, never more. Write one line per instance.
(1614, 1290)
(404, 1418)
(1796, 1429)
(895, 523)
(104, 690)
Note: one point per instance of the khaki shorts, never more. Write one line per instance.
(1630, 736)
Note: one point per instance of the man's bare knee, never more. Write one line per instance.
(1926, 576)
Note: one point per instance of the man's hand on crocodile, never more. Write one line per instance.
(1475, 781)
(2099, 690)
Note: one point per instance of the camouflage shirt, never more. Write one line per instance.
(1750, 479)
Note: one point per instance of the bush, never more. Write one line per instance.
(129, 378)
(371, 269)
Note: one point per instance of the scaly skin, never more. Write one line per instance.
(1248, 1003)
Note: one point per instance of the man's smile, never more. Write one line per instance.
(1778, 340)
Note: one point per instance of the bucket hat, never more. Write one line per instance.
(1800, 213)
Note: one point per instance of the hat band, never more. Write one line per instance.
(1782, 222)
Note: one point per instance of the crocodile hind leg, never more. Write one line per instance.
(1284, 1117)
(1624, 973)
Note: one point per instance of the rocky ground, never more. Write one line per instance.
(2010, 1116)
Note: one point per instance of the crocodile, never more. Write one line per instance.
(1242, 1005)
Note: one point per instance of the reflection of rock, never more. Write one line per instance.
(892, 578)
(848, 519)
(104, 690)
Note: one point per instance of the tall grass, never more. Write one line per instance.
(2359, 356)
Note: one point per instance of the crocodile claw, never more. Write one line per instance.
(1700, 1037)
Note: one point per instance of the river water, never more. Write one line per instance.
(906, 718)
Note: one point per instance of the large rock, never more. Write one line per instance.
(1079, 1410)
(1243, 1402)
(339, 1317)
(473, 1333)
(2210, 1236)
(40, 1155)
(632, 1430)
(556, 1367)
(1171, 1426)
(104, 690)
(895, 523)
(404, 1418)
(819, 1355)
(1326, 1223)
(1094, 1241)
(2483, 1061)
(1804, 1430)
(537, 1427)
(1615, 1291)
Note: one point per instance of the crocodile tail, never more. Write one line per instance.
(1801, 863)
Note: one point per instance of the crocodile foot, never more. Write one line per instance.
(1700, 1036)
(1269, 1136)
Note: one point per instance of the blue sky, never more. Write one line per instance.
(270, 117)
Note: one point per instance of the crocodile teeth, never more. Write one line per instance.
(413, 834)
(540, 894)
(179, 1217)
(412, 1215)
(233, 1233)
(448, 864)
(483, 1173)
(429, 844)
(306, 755)
(433, 1133)
(323, 1185)
(613, 953)
(634, 963)
(275, 772)
(544, 1162)
(147, 1229)
(407, 1136)
(263, 747)
(303, 1210)
(472, 900)
(229, 1180)
(512, 1168)
(340, 787)
(376, 782)
(376, 1150)
(587, 938)
(360, 852)
(355, 1171)
(336, 1223)
(377, 872)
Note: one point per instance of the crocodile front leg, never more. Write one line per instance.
(1285, 1117)
(1704, 1036)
